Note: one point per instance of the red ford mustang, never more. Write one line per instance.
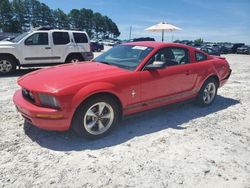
(91, 97)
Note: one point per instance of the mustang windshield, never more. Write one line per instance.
(124, 56)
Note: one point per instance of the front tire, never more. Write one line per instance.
(7, 65)
(207, 93)
(96, 117)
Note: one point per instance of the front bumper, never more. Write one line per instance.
(44, 118)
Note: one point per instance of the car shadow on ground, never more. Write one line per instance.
(20, 72)
(148, 122)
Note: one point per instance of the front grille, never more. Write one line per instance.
(28, 95)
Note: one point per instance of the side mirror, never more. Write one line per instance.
(155, 65)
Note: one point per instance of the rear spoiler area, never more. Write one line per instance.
(218, 57)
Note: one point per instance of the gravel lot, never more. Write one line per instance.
(178, 146)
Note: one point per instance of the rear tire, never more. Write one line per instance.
(7, 65)
(207, 93)
(96, 117)
(74, 59)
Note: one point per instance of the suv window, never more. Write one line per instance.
(37, 39)
(60, 38)
(80, 38)
(171, 56)
(200, 57)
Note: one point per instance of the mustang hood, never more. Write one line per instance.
(56, 78)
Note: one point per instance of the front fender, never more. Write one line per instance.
(95, 88)
(7, 50)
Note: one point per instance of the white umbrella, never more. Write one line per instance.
(162, 27)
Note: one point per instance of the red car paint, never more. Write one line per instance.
(136, 90)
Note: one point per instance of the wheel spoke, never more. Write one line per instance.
(91, 113)
(208, 98)
(205, 97)
(91, 124)
(209, 87)
(106, 116)
(101, 107)
(100, 125)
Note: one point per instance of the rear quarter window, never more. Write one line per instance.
(80, 37)
(200, 56)
(60, 38)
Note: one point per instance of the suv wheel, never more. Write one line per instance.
(74, 59)
(7, 65)
(96, 117)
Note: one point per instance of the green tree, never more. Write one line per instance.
(75, 19)
(113, 29)
(32, 13)
(198, 41)
(97, 24)
(42, 15)
(61, 19)
(82, 20)
(20, 14)
(87, 20)
(5, 15)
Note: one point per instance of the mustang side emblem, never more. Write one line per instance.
(133, 93)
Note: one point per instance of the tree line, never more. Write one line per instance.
(21, 15)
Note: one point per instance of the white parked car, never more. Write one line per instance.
(44, 47)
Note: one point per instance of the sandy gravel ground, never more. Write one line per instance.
(178, 146)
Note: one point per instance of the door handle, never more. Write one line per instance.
(47, 48)
(187, 72)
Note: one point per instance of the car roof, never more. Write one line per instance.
(58, 30)
(154, 44)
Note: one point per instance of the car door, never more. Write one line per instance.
(36, 49)
(62, 46)
(172, 82)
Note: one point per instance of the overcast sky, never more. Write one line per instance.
(213, 20)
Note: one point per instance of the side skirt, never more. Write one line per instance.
(154, 103)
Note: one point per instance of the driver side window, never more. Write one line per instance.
(171, 56)
(37, 39)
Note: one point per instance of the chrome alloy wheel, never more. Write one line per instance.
(98, 118)
(209, 93)
(5, 66)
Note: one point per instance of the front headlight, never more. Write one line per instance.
(48, 100)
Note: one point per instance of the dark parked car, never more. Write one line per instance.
(243, 50)
(143, 39)
(96, 46)
(210, 51)
(223, 49)
(233, 47)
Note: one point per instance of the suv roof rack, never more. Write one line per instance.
(43, 28)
